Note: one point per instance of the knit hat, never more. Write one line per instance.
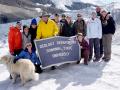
(34, 22)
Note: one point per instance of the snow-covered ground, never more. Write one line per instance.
(95, 76)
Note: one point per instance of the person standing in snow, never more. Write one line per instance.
(108, 30)
(98, 11)
(79, 25)
(46, 28)
(55, 18)
(26, 37)
(94, 34)
(62, 22)
(33, 32)
(67, 29)
(15, 39)
(63, 19)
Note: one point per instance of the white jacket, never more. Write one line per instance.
(94, 28)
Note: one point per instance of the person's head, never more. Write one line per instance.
(45, 16)
(94, 15)
(56, 18)
(104, 13)
(98, 9)
(34, 23)
(80, 37)
(28, 46)
(18, 25)
(68, 18)
(79, 16)
(63, 16)
(25, 29)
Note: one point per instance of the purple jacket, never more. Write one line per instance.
(84, 44)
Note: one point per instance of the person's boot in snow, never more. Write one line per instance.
(11, 77)
(101, 55)
(38, 69)
(85, 61)
(107, 60)
(89, 59)
(78, 62)
(53, 68)
(96, 59)
(103, 58)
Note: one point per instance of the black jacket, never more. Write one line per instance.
(108, 26)
(33, 35)
(67, 30)
(80, 27)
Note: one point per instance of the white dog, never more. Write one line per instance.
(23, 67)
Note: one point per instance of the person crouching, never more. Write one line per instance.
(84, 48)
(30, 54)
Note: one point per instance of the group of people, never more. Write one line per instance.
(99, 30)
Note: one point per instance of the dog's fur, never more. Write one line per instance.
(23, 67)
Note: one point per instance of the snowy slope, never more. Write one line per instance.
(95, 76)
(61, 4)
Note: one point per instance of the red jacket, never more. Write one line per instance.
(14, 39)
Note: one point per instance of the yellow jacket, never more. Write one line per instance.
(46, 30)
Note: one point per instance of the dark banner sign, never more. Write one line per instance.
(57, 50)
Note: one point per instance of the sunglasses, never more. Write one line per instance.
(29, 45)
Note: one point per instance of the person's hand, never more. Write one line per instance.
(14, 61)
(55, 35)
(107, 17)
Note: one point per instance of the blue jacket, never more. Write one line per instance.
(26, 55)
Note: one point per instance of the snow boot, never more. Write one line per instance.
(38, 69)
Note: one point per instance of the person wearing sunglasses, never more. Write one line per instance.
(30, 54)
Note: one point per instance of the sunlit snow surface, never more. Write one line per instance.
(95, 76)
